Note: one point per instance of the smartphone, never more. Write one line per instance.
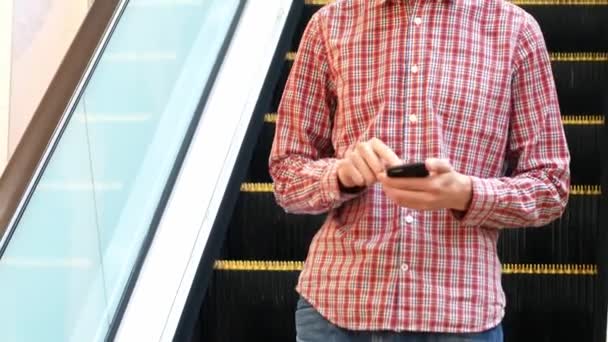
(408, 170)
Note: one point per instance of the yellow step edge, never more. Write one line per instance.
(516, 2)
(579, 56)
(548, 269)
(270, 118)
(257, 187)
(250, 265)
(575, 190)
(291, 56)
(555, 56)
(560, 2)
(291, 266)
(585, 190)
(584, 120)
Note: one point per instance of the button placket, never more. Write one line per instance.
(414, 69)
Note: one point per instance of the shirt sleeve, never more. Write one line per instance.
(536, 192)
(302, 162)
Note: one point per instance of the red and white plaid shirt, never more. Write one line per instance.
(466, 80)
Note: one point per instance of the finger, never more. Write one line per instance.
(425, 184)
(384, 152)
(363, 169)
(438, 166)
(411, 199)
(350, 176)
(366, 151)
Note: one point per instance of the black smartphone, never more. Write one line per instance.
(408, 170)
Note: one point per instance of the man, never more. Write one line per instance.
(463, 85)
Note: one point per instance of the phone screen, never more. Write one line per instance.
(408, 170)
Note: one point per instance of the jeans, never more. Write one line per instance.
(312, 327)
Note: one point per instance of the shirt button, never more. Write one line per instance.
(414, 69)
(405, 267)
(418, 21)
(413, 118)
(409, 219)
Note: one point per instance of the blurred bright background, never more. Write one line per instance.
(30, 29)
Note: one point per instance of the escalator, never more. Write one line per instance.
(138, 207)
(554, 277)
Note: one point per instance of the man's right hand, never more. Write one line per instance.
(363, 162)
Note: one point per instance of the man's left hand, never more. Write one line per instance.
(444, 188)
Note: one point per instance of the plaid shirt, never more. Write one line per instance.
(466, 80)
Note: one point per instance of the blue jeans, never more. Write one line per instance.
(312, 327)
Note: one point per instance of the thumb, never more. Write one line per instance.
(438, 166)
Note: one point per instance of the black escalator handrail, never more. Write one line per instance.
(31, 148)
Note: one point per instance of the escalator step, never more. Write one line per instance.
(566, 25)
(584, 141)
(585, 145)
(581, 79)
(278, 93)
(261, 230)
(566, 240)
(573, 28)
(549, 308)
(581, 85)
(242, 304)
(249, 306)
(258, 168)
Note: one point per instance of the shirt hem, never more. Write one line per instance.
(487, 326)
